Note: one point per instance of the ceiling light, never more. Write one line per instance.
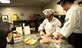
(5, 1)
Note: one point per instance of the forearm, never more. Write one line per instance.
(9, 37)
(41, 32)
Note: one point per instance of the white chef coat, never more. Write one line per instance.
(73, 21)
(50, 27)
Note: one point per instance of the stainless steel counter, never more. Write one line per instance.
(38, 44)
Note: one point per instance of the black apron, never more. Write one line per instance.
(75, 40)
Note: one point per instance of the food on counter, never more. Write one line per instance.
(47, 35)
(17, 36)
(30, 41)
(45, 40)
(58, 41)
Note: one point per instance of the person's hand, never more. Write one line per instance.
(57, 35)
(48, 35)
(42, 33)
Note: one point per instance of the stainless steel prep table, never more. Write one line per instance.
(38, 44)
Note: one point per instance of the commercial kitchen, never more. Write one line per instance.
(23, 19)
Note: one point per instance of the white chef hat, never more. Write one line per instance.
(77, 1)
(48, 12)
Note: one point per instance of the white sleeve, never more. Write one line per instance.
(41, 27)
(70, 24)
(58, 26)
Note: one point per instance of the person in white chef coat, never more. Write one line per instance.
(50, 24)
(72, 28)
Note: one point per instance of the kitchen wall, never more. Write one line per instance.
(56, 7)
(18, 10)
(30, 10)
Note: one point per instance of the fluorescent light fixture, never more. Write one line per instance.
(5, 1)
